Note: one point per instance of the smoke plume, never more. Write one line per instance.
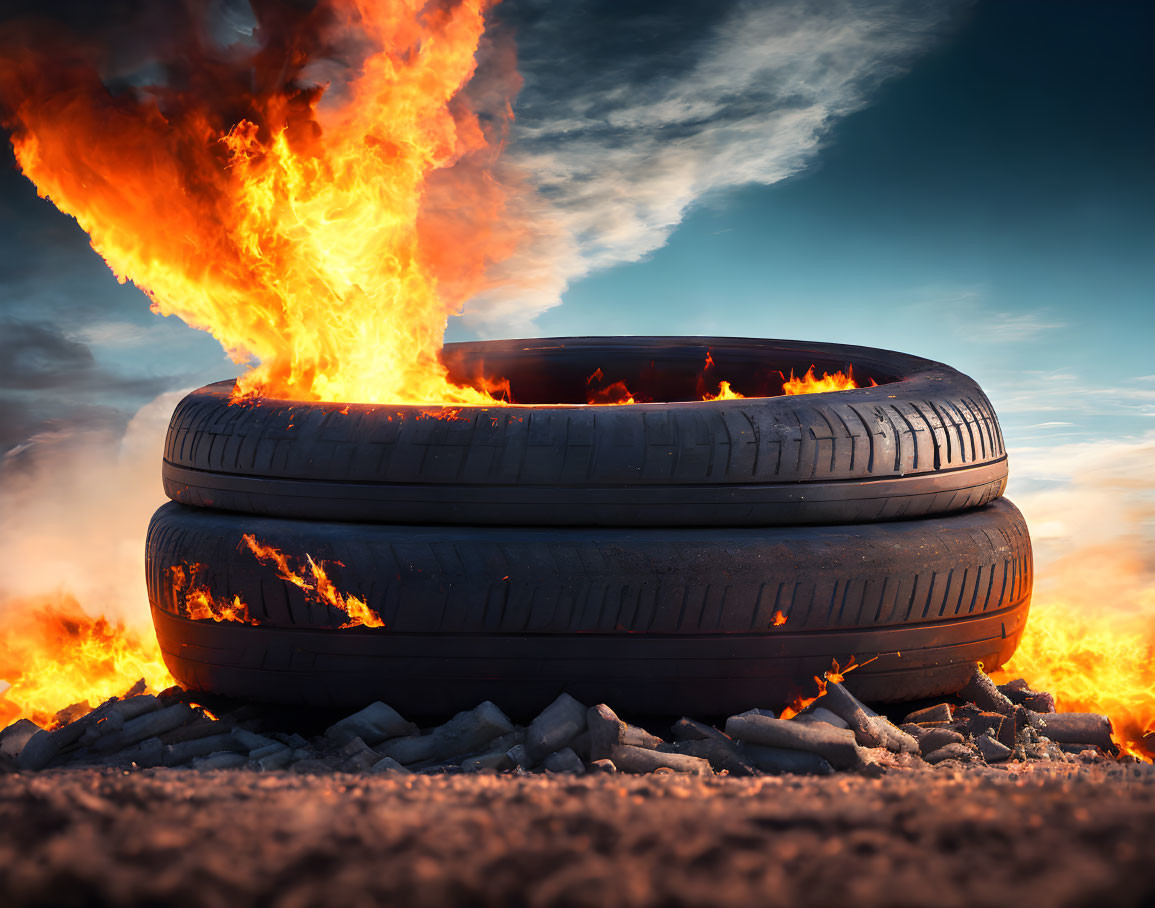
(76, 503)
(619, 149)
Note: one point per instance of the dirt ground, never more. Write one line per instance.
(1041, 834)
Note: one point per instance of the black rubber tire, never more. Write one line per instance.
(653, 621)
(925, 441)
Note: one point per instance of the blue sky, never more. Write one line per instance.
(993, 208)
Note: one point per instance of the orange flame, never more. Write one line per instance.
(835, 675)
(811, 384)
(619, 392)
(611, 395)
(52, 655)
(725, 392)
(615, 394)
(317, 587)
(198, 601)
(1091, 665)
(328, 242)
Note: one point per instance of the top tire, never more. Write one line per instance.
(924, 441)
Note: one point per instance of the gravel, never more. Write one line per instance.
(1018, 834)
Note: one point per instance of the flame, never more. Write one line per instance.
(615, 394)
(611, 395)
(198, 601)
(835, 675)
(725, 392)
(53, 654)
(317, 587)
(779, 619)
(325, 233)
(1090, 665)
(201, 606)
(811, 384)
(619, 393)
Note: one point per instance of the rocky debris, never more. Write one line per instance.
(776, 760)
(835, 745)
(465, 734)
(932, 715)
(494, 761)
(720, 752)
(870, 729)
(374, 724)
(815, 713)
(982, 692)
(993, 751)
(359, 756)
(222, 760)
(607, 731)
(564, 760)
(556, 727)
(1020, 693)
(934, 738)
(202, 746)
(629, 758)
(519, 757)
(687, 729)
(151, 724)
(15, 736)
(46, 746)
(1078, 728)
(387, 764)
(960, 752)
(837, 732)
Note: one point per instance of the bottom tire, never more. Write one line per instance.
(694, 621)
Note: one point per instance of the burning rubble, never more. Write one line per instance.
(983, 724)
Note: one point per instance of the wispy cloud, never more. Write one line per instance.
(1011, 327)
(966, 309)
(620, 158)
(76, 501)
(1064, 391)
(1090, 506)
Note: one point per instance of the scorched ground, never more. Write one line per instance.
(1043, 834)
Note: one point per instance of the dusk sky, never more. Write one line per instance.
(328, 188)
(968, 182)
(971, 182)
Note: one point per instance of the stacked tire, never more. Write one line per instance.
(682, 556)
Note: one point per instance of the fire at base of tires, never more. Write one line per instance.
(984, 724)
